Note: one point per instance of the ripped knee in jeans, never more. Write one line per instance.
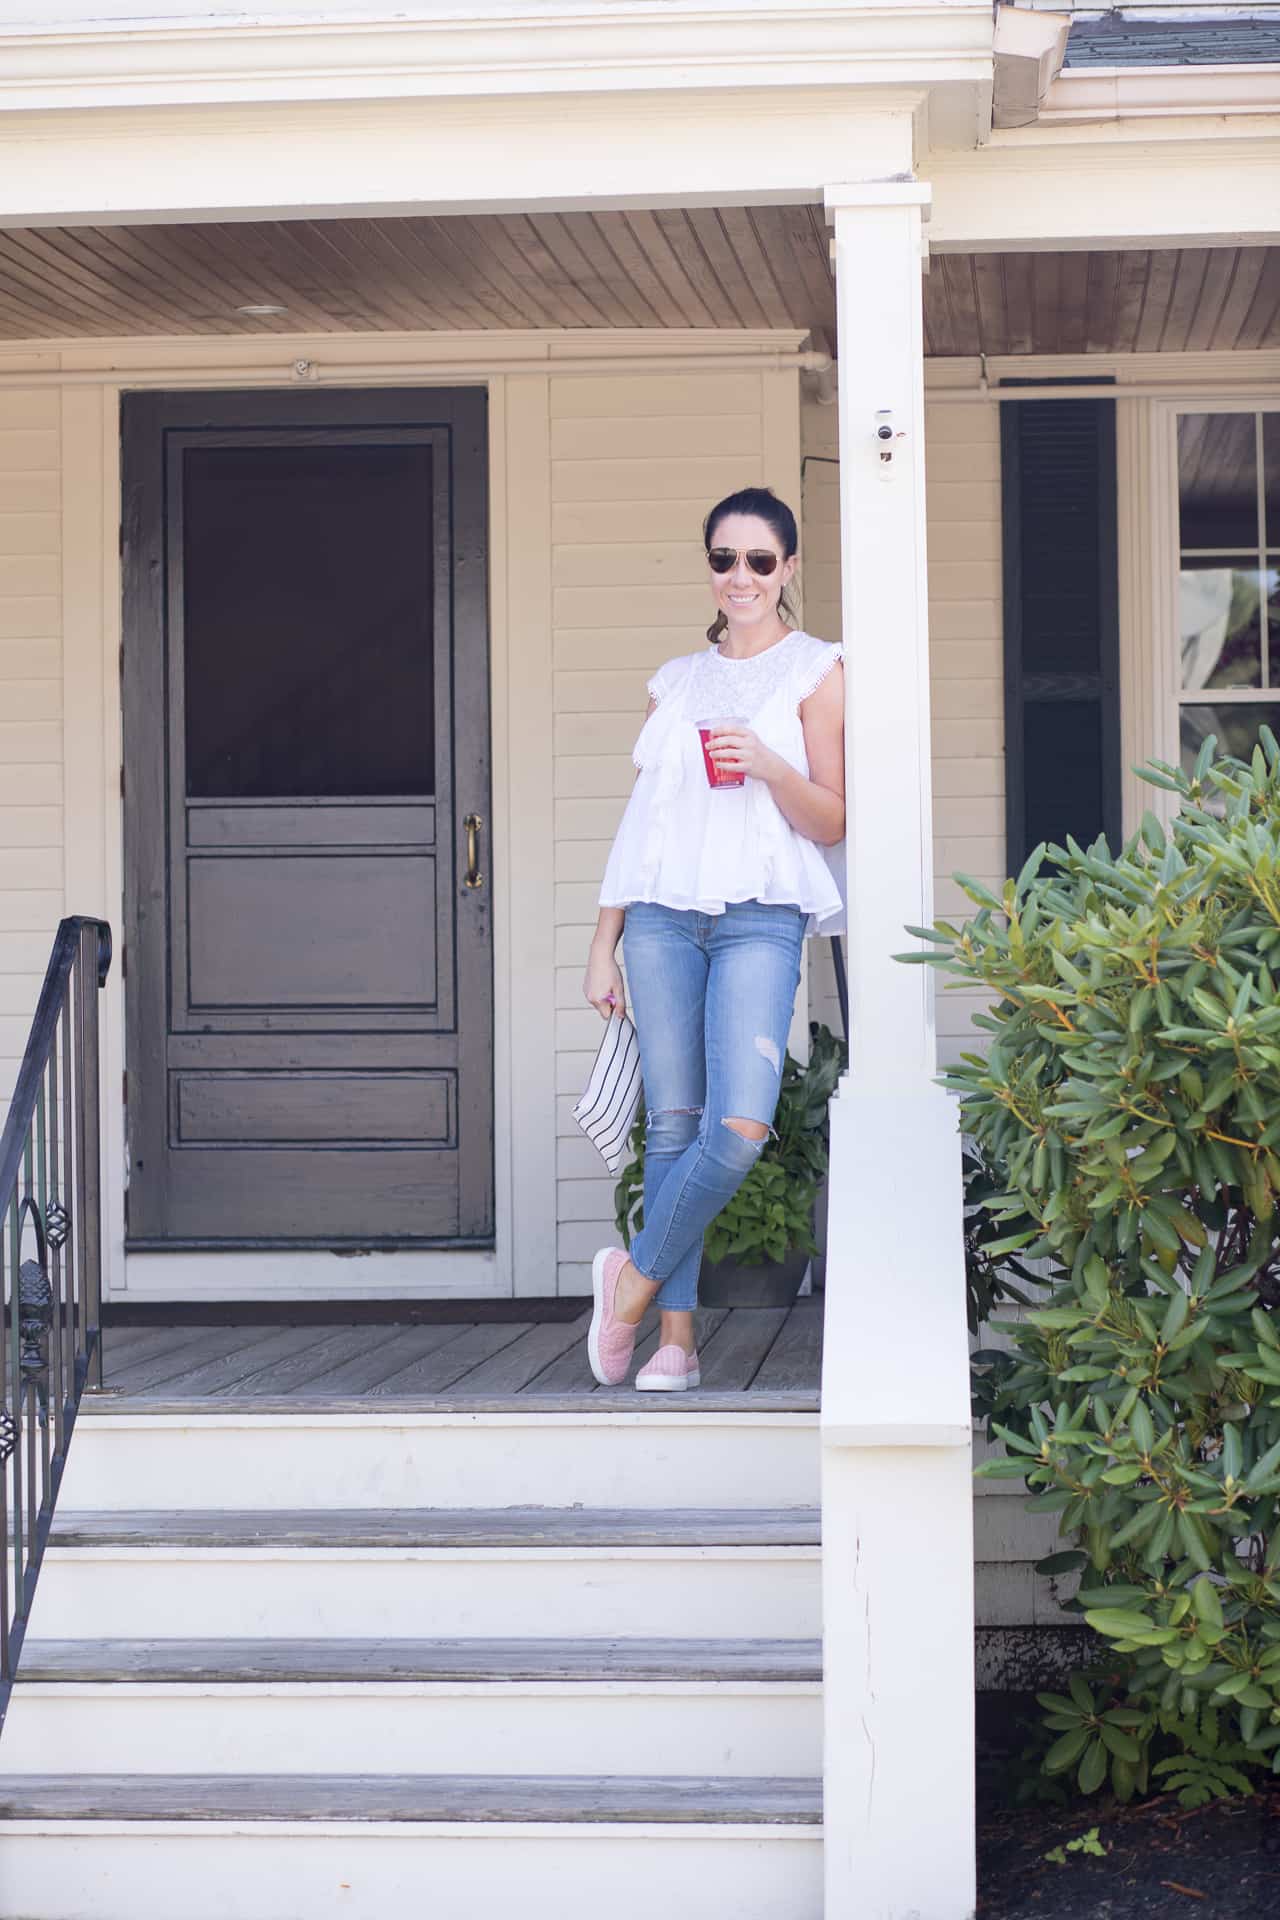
(671, 1128)
(740, 1143)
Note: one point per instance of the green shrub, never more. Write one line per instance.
(771, 1214)
(1128, 1111)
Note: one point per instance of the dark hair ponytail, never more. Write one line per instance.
(764, 504)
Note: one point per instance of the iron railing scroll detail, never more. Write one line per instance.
(50, 1262)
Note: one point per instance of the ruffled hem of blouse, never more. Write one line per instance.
(716, 903)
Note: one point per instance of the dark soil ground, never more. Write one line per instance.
(1220, 1862)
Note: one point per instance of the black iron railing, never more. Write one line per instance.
(50, 1262)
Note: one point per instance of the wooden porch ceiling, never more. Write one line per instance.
(1178, 300)
(746, 267)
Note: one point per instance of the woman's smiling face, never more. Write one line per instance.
(744, 597)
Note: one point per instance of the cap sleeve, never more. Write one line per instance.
(668, 678)
(815, 663)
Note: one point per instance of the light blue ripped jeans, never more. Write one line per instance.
(712, 995)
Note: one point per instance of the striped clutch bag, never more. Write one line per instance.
(608, 1104)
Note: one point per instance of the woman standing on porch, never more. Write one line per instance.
(716, 874)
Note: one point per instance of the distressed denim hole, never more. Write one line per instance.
(767, 1048)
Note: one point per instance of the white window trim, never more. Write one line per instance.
(1154, 554)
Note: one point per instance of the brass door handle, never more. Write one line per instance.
(473, 823)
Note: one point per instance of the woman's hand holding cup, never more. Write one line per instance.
(732, 752)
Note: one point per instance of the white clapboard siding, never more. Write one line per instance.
(635, 463)
(966, 638)
(962, 466)
(30, 709)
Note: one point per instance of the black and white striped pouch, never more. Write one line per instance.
(607, 1107)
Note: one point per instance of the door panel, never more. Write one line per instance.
(298, 931)
(309, 974)
(275, 1109)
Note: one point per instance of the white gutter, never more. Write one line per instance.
(1097, 95)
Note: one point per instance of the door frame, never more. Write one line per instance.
(158, 428)
(520, 847)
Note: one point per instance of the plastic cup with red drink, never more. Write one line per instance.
(719, 778)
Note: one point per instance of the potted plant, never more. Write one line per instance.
(757, 1248)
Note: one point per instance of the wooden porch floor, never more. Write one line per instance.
(773, 1353)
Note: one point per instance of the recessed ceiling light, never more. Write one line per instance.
(263, 312)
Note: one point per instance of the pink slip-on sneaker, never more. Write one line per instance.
(671, 1370)
(610, 1341)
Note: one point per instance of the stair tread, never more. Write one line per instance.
(230, 1662)
(507, 1527)
(457, 1798)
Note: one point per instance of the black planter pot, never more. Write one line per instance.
(727, 1283)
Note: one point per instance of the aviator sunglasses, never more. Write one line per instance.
(759, 559)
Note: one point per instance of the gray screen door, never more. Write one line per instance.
(308, 977)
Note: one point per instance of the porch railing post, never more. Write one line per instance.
(89, 1208)
(896, 1489)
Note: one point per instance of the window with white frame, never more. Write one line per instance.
(1228, 579)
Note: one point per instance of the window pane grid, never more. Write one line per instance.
(1229, 590)
(1264, 567)
(1262, 547)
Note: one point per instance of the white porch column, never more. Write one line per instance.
(896, 1493)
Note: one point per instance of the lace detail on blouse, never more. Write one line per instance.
(721, 688)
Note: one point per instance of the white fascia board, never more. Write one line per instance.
(343, 159)
(1081, 188)
(1099, 94)
(495, 49)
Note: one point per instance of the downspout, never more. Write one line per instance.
(1029, 51)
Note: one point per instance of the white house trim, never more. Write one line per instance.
(1168, 374)
(434, 52)
(132, 370)
(1039, 189)
(1158, 565)
(773, 144)
(1096, 95)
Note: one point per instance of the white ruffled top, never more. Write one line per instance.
(683, 844)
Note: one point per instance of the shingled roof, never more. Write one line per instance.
(1115, 41)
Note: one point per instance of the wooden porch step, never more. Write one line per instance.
(589, 1450)
(454, 1798)
(625, 1706)
(337, 1662)
(391, 1573)
(501, 1527)
(604, 1400)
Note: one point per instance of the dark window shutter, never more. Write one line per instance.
(1061, 640)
